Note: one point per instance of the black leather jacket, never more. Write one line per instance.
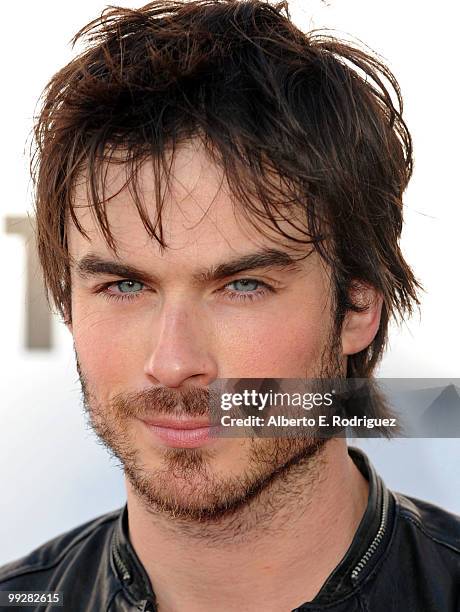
(405, 557)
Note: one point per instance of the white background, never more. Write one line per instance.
(53, 474)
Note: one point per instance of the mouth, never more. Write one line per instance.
(181, 433)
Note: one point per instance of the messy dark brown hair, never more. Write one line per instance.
(299, 122)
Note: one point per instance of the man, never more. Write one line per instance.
(219, 196)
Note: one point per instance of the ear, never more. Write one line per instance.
(360, 328)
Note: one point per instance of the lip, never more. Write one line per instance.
(178, 423)
(181, 433)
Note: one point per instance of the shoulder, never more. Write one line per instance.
(88, 537)
(419, 567)
(436, 525)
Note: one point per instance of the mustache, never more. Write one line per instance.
(191, 402)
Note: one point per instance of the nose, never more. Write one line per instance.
(181, 348)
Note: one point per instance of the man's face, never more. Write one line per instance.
(149, 343)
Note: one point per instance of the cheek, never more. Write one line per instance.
(275, 347)
(109, 353)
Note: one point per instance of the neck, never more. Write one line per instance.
(274, 554)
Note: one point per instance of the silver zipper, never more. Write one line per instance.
(375, 542)
(126, 576)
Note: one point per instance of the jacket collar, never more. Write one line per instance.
(369, 543)
(370, 540)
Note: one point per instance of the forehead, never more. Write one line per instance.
(200, 217)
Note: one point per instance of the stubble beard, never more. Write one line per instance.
(185, 488)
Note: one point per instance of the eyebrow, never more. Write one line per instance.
(92, 265)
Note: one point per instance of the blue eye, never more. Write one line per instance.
(245, 285)
(129, 286)
(123, 290)
(247, 289)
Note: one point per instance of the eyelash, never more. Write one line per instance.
(263, 289)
